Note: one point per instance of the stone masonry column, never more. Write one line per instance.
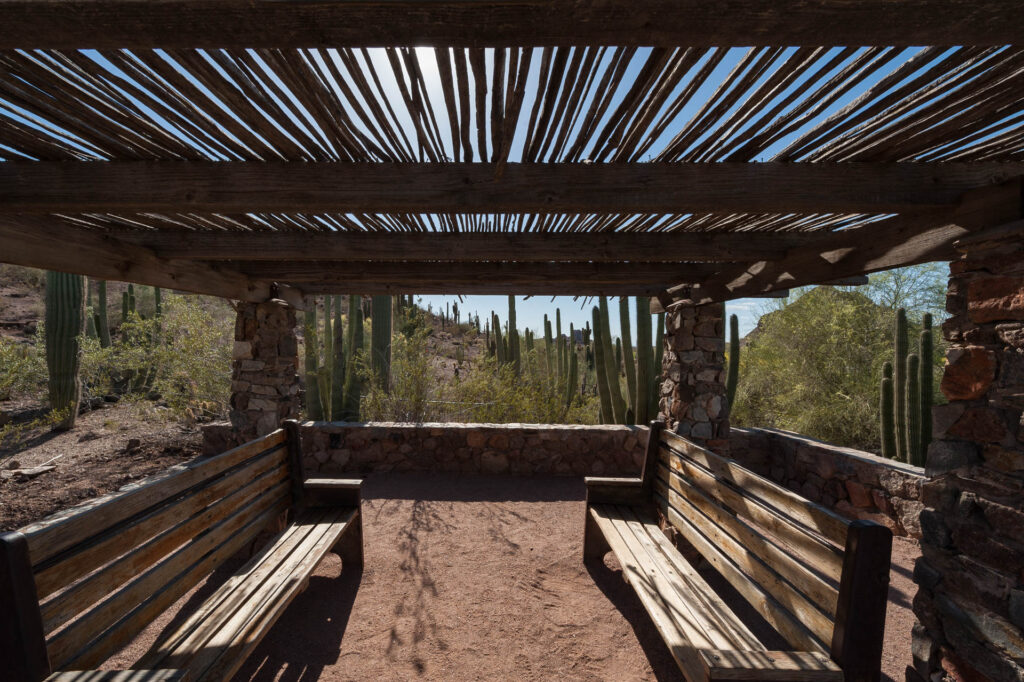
(970, 599)
(693, 399)
(264, 370)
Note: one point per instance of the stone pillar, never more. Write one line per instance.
(970, 599)
(264, 371)
(693, 399)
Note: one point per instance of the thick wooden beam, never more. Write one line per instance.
(241, 187)
(883, 245)
(483, 288)
(598, 247)
(72, 24)
(56, 246)
(469, 273)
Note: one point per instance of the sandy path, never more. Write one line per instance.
(476, 578)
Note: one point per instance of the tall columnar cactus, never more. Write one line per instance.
(499, 344)
(887, 425)
(559, 345)
(611, 369)
(102, 322)
(927, 387)
(65, 324)
(899, 380)
(627, 352)
(124, 306)
(645, 381)
(573, 378)
(132, 304)
(380, 341)
(514, 355)
(354, 343)
(339, 366)
(314, 406)
(603, 392)
(733, 375)
(659, 349)
(914, 410)
(158, 305)
(550, 366)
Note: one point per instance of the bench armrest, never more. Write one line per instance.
(332, 492)
(607, 490)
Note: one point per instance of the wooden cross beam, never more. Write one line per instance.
(882, 245)
(143, 24)
(651, 188)
(54, 246)
(598, 247)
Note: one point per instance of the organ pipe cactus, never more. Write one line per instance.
(339, 366)
(380, 340)
(314, 407)
(354, 341)
(913, 409)
(65, 324)
(645, 381)
(573, 378)
(899, 380)
(886, 414)
(733, 374)
(499, 344)
(599, 368)
(514, 355)
(627, 352)
(611, 369)
(927, 388)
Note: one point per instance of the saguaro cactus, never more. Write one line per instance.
(514, 354)
(733, 375)
(644, 367)
(611, 369)
(913, 410)
(604, 394)
(102, 323)
(354, 341)
(627, 352)
(339, 366)
(65, 324)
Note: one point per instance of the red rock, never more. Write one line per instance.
(996, 298)
(859, 495)
(969, 373)
(980, 424)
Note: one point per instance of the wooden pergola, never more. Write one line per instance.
(688, 151)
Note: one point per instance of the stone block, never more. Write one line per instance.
(858, 494)
(969, 373)
(980, 424)
(934, 530)
(995, 299)
(948, 455)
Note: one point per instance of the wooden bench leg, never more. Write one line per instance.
(594, 544)
(350, 546)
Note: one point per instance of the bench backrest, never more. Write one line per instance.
(819, 579)
(101, 571)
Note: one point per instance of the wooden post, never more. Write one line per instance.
(594, 544)
(22, 641)
(651, 456)
(863, 595)
(294, 444)
(350, 546)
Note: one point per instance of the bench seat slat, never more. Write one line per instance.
(56, 533)
(822, 594)
(119, 676)
(788, 625)
(79, 596)
(215, 641)
(769, 666)
(714, 616)
(73, 647)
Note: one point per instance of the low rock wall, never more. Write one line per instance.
(332, 448)
(856, 484)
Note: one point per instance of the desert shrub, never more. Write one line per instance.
(22, 368)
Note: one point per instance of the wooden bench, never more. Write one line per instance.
(76, 587)
(819, 580)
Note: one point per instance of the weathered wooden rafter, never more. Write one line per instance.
(54, 246)
(243, 23)
(894, 242)
(668, 188)
(598, 247)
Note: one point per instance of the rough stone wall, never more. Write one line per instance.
(264, 370)
(856, 484)
(693, 376)
(343, 448)
(970, 600)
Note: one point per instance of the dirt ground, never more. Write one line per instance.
(479, 578)
(107, 449)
